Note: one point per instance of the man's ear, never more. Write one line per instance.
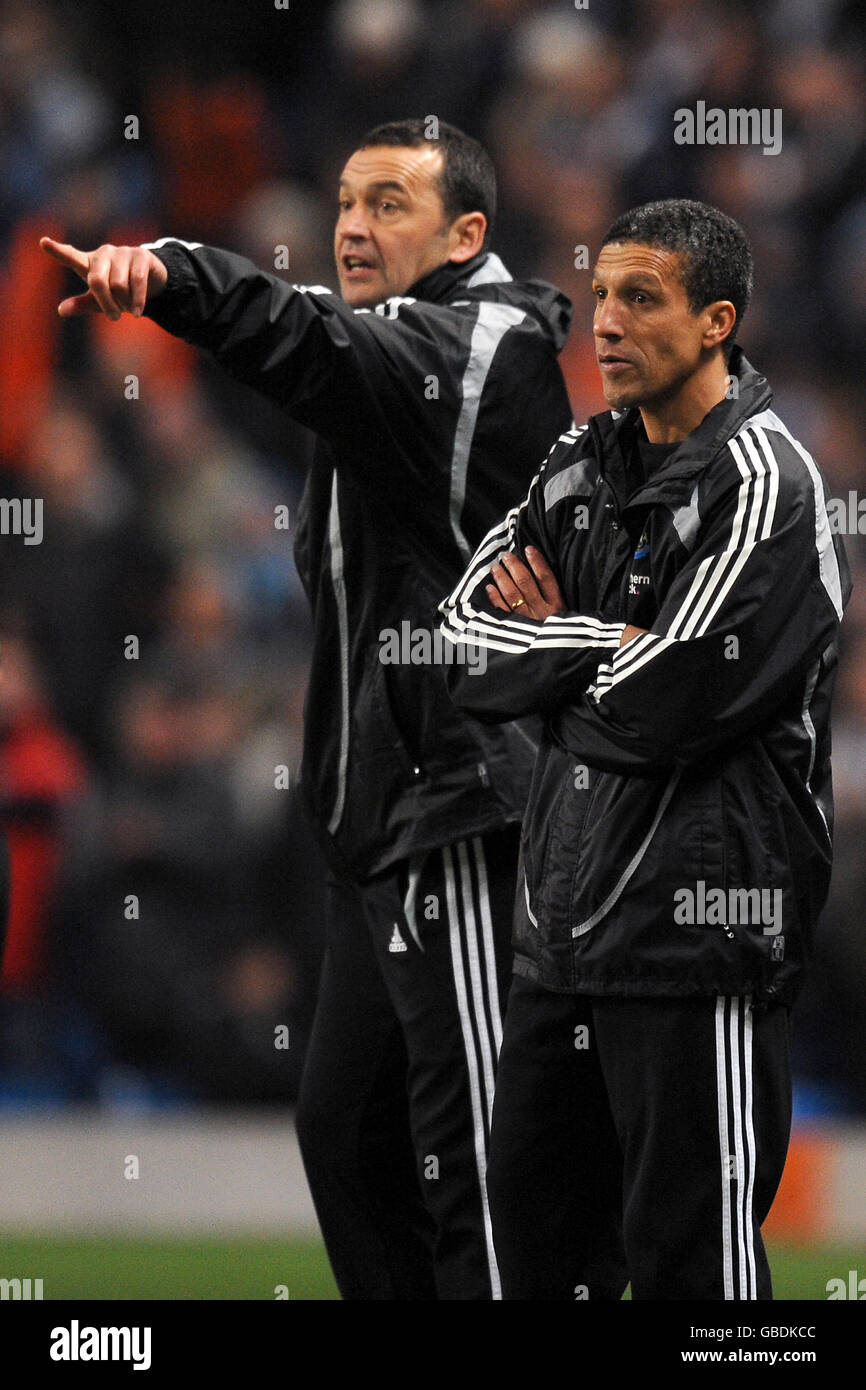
(720, 319)
(466, 236)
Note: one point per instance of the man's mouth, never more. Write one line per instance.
(356, 265)
(614, 364)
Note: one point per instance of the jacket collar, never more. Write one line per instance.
(441, 283)
(617, 430)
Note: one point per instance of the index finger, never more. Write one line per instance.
(67, 255)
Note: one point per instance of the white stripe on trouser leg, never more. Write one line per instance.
(489, 943)
(722, 1095)
(750, 1143)
(475, 976)
(471, 1062)
(740, 1168)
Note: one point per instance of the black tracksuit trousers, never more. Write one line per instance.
(637, 1140)
(396, 1099)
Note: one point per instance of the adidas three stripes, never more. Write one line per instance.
(637, 1141)
(397, 1099)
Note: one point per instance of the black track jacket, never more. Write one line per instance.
(678, 835)
(432, 414)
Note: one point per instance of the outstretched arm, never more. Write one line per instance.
(356, 377)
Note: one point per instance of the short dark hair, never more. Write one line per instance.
(468, 180)
(717, 258)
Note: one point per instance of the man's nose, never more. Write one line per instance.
(607, 321)
(354, 222)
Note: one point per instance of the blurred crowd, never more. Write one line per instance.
(165, 903)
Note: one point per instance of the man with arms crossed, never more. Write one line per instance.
(434, 390)
(667, 597)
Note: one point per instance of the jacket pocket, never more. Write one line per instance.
(561, 797)
(620, 848)
(416, 715)
(695, 838)
(393, 725)
(376, 740)
(750, 828)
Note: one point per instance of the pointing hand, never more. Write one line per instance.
(119, 278)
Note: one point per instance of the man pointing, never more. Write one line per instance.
(434, 390)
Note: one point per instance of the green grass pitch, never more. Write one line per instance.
(158, 1268)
